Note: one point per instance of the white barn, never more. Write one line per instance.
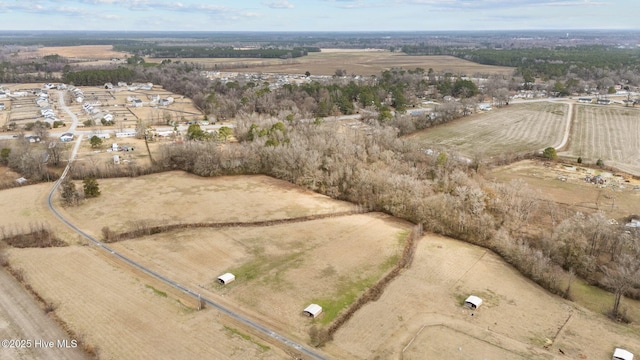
(224, 279)
(313, 310)
(473, 302)
(622, 354)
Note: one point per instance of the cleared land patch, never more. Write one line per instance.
(82, 52)
(177, 197)
(609, 133)
(279, 269)
(355, 62)
(511, 129)
(565, 184)
(514, 321)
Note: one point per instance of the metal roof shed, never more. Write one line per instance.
(313, 310)
(226, 278)
(473, 302)
(622, 354)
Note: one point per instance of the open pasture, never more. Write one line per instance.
(420, 315)
(511, 129)
(355, 62)
(122, 314)
(279, 269)
(82, 52)
(610, 133)
(177, 197)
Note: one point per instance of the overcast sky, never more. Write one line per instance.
(318, 15)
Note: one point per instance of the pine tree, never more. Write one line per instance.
(91, 187)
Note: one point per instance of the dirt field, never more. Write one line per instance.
(421, 313)
(514, 128)
(355, 62)
(566, 185)
(93, 52)
(609, 133)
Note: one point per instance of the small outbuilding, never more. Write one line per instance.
(224, 279)
(622, 354)
(313, 310)
(473, 302)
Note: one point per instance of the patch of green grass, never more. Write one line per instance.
(389, 263)
(246, 337)
(347, 293)
(270, 269)
(156, 291)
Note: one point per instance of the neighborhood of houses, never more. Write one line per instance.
(97, 106)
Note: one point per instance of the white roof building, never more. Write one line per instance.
(622, 354)
(473, 302)
(313, 310)
(226, 278)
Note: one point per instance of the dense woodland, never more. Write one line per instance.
(281, 133)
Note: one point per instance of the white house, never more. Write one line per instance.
(66, 137)
(137, 102)
(126, 134)
(226, 278)
(622, 354)
(2, 107)
(313, 310)
(473, 302)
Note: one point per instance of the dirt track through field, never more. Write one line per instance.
(21, 318)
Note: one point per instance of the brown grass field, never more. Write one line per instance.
(420, 314)
(511, 129)
(280, 269)
(92, 52)
(610, 133)
(355, 62)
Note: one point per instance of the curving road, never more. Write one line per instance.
(263, 329)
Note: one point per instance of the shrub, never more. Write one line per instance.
(550, 153)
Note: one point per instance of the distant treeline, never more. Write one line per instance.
(543, 62)
(158, 51)
(98, 77)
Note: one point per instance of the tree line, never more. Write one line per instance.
(169, 51)
(545, 62)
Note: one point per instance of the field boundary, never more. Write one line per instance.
(111, 237)
(374, 292)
